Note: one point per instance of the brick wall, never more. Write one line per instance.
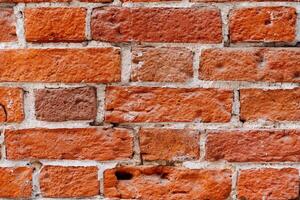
(150, 100)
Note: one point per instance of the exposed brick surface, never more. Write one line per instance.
(114, 24)
(57, 181)
(99, 65)
(169, 144)
(162, 64)
(268, 184)
(66, 104)
(146, 104)
(166, 183)
(263, 24)
(8, 25)
(254, 146)
(55, 24)
(15, 182)
(71, 144)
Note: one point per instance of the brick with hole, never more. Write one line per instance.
(253, 145)
(251, 64)
(15, 182)
(65, 65)
(151, 64)
(55, 24)
(66, 104)
(269, 183)
(169, 144)
(64, 182)
(190, 25)
(11, 105)
(165, 182)
(8, 25)
(270, 105)
(263, 24)
(98, 144)
(154, 104)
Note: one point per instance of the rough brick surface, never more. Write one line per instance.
(166, 183)
(162, 64)
(57, 181)
(55, 24)
(98, 65)
(272, 105)
(263, 24)
(268, 184)
(72, 144)
(15, 182)
(251, 64)
(169, 144)
(160, 24)
(8, 25)
(11, 104)
(151, 104)
(254, 146)
(66, 104)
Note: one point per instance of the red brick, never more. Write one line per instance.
(160, 182)
(58, 181)
(156, 25)
(254, 146)
(72, 144)
(162, 64)
(251, 64)
(92, 65)
(148, 1)
(8, 25)
(263, 24)
(15, 182)
(32, 1)
(55, 24)
(66, 104)
(277, 184)
(11, 105)
(271, 105)
(169, 144)
(153, 104)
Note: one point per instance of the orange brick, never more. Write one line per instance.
(8, 25)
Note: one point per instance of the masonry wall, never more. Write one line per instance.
(149, 100)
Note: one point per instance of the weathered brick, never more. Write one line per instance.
(277, 184)
(254, 146)
(32, 1)
(72, 144)
(92, 65)
(251, 64)
(148, 1)
(156, 25)
(55, 24)
(162, 64)
(8, 25)
(15, 182)
(169, 144)
(271, 105)
(160, 182)
(58, 181)
(66, 104)
(153, 104)
(11, 104)
(263, 24)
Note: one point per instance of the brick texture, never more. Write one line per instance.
(8, 25)
(169, 144)
(268, 184)
(166, 183)
(98, 65)
(162, 25)
(66, 104)
(57, 181)
(55, 24)
(254, 146)
(72, 144)
(146, 104)
(263, 24)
